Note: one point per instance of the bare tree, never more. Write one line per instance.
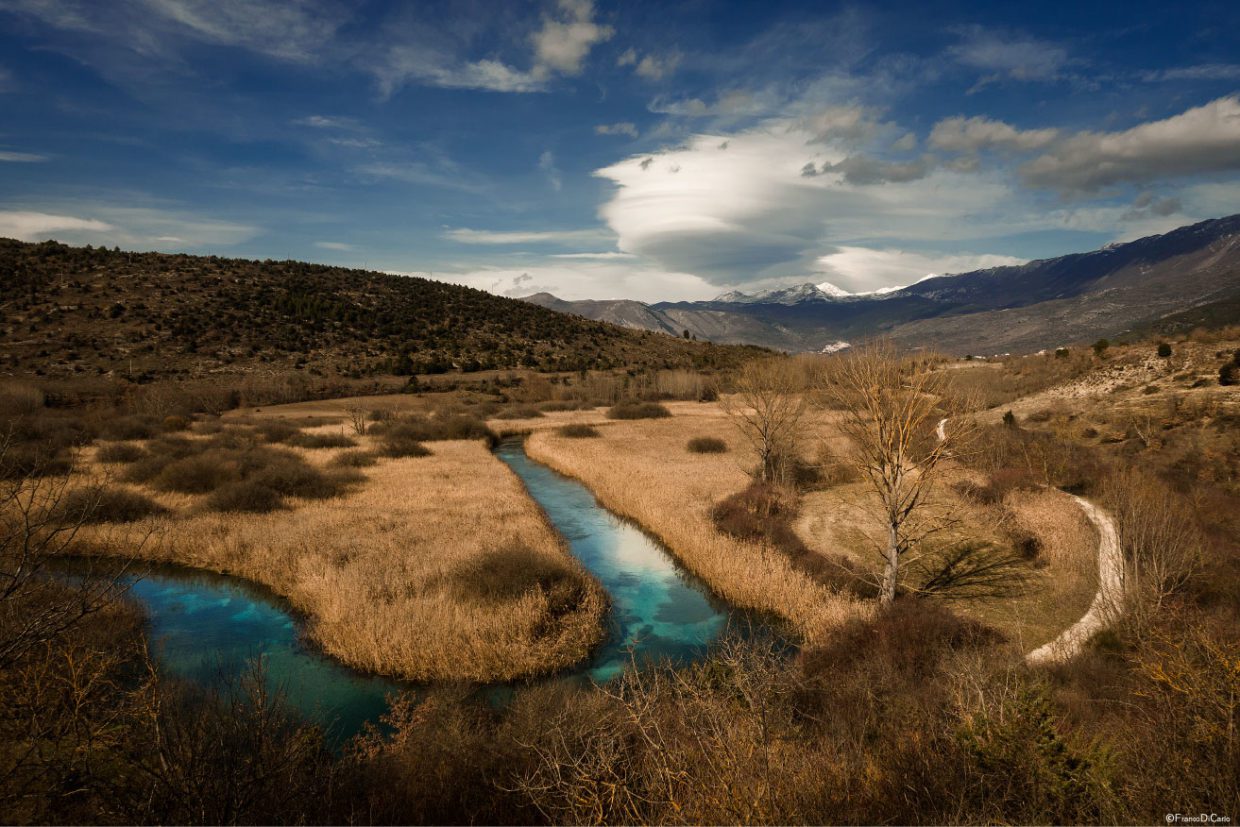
(357, 417)
(891, 409)
(59, 690)
(35, 527)
(1163, 547)
(768, 408)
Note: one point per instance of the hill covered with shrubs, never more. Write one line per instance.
(72, 311)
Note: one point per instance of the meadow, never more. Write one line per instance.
(409, 549)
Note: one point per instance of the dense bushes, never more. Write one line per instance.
(510, 572)
(707, 445)
(764, 513)
(353, 459)
(577, 430)
(316, 441)
(246, 496)
(275, 430)
(637, 410)
(128, 427)
(119, 452)
(231, 467)
(433, 428)
(107, 505)
(520, 412)
(1018, 457)
(198, 474)
(1229, 373)
(398, 444)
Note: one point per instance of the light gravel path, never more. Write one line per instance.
(1107, 603)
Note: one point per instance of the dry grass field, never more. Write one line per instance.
(431, 568)
(1059, 583)
(644, 471)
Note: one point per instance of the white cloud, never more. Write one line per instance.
(906, 143)
(436, 58)
(133, 227)
(585, 279)
(464, 235)
(1012, 57)
(608, 256)
(651, 67)
(7, 82)
(294, 31)
(328, 122)
(339, 246)
(405, 63)
(546, 163)
(862, 169)
(39, 226)
(762, 210)
(863, 269)
(622, 128)
(1201, 140)
(21, 157)
(976, 134)
(849, 124)
(726, 215)
(562, 44)
(291, 31)
(1202, 71)
(420, 173)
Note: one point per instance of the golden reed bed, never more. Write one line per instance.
(642, 470)
(385, 575)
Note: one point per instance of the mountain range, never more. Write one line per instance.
(1158, 283)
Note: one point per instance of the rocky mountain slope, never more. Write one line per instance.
(1044, 303)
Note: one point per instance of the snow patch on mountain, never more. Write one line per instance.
(796, 294)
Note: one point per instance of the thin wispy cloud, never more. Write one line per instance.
(37, 226)
(1203, 71)
(622, 128)
(7, 156)
(464, 235)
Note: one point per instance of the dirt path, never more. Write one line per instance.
(1107, 602)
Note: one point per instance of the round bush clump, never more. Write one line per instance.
(120, 452)
(247, 496)
(321, 441)
(175, 423)
(577, 431)
(638, 410)
(400, 445)
(707, 445)
(108, 506)
(196, 474)
(277, 431)
(354, 459)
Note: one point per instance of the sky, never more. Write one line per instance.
(643, 150)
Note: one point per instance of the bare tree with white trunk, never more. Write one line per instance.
(891, 407)
(768, 407)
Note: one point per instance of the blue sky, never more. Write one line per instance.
(636, 150)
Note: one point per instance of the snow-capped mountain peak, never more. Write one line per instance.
(795, 294)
